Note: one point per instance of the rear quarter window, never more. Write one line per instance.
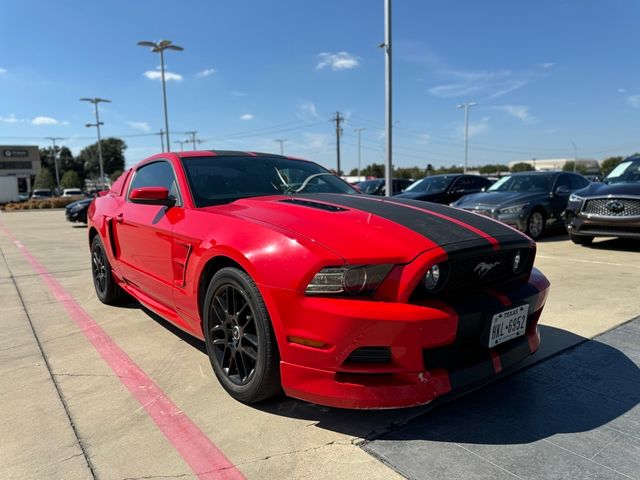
(117, 187)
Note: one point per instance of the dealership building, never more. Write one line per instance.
(22, 162)
(555, 164)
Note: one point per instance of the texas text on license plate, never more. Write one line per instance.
(508, 324)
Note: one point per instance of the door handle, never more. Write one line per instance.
(119, 218)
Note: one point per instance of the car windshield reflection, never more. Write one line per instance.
(522, 183)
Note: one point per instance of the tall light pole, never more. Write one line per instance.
(55, 158)
(466, 107)
(388, 174)
(575, 156)
(281, 142)
(95, 102)
(160, 47)
(358, 131)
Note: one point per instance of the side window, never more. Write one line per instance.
(563, 180)
(479, 183)
(578, 182)
(464, 184)
(156, 174)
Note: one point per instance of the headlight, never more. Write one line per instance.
(575, 198)
(362, 280)
(514, 209)
(432, 277)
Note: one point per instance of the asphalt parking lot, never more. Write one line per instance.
(87, 389)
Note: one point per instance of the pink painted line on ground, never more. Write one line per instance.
(205, 459)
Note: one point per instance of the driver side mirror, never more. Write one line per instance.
(562, 190)
(152, 196)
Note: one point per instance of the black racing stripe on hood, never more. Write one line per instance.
(439, 230)
(490, 227)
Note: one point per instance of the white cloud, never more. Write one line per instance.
(307, 111)
(11, 119)
(520, 112)
(237, 93)
(634, 100)
(547, 65)
(246, 116)
(337, 61)
(490, 85)
(206, 72)
(475, 128)
(317, 141)
(45, 121)
(142, 126)
(157, 75)
(622, 90)
(3, 70)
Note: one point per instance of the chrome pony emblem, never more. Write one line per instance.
(483, 268)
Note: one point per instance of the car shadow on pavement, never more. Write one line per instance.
(626, 244)
(586, 386)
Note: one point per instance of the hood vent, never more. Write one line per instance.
(320, 206)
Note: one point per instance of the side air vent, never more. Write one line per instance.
(318, 205)
(369, 355)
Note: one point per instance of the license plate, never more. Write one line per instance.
(508, 324)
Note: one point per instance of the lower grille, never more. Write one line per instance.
(610, 229)
(369, 355)
(613, 207)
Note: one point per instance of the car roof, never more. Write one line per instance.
(541, 174)
(230, 153)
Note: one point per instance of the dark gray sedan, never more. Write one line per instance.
(529, 201)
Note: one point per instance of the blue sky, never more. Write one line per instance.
(545, 74)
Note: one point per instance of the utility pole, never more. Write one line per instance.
(388, 174)
(466, 107)
(181, 142)
(575, 157)
(95, 102)
(338, 119)
(55, 158)
(193, 140)
(281, 142)
(162, 140)
(358, 131)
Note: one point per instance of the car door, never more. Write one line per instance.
(144, 233)
(559, 197)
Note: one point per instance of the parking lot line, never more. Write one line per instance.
(198, 451)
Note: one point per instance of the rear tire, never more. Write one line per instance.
(107, 290)
(581, 239)
(240, 341)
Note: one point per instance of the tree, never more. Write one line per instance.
(112, 156)
(71, 179)
(66, 161)
(492, 169)
(522, 167)
(409, 172)
(45, 179)
(451, 169)
(114, 176)
(373, 170)
(580, 168)
(609, 164)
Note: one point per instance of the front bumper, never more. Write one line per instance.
(602, 226)
(76, 216)
(515, 220)
(434, 347)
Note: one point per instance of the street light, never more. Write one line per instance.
(160, 47)
(55, 159)
(466, 107)
(281, 142)
(95, 102)
(358, 131)
(575, 156)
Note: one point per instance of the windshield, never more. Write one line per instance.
(522, 183)
(371, 187)
(430, 184)
(218, 180)
(625, 172)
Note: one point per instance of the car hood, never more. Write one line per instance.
(498, 199)
(362, 227)
(84, 201)
(604, 189)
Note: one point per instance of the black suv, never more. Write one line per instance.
(445, 188)
(608, 209)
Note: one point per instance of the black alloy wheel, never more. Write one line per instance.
(107, 290)
(239, 338)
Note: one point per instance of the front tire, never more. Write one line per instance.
(107, 290)
(535, 224)
(240, 341)
(581, 239)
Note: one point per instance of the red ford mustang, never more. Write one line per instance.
(298, 282)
